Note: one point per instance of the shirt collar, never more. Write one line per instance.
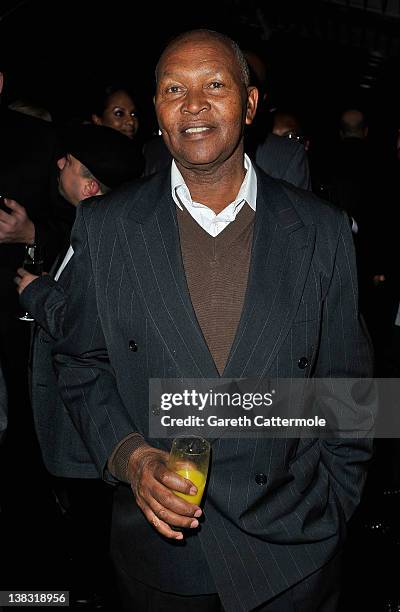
(247, 191)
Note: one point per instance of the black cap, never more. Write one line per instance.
(110, 156)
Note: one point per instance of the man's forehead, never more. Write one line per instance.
(194, 40)
(211, 43)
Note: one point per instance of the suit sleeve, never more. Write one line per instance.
(346, 352)
(86, 379)
(45, 300)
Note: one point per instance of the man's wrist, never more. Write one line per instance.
(136, 457)
(118, 463)
(30, 233)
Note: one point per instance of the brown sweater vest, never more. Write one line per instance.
(216, 272)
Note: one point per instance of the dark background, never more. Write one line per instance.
(321, 55)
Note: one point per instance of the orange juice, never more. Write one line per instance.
(198, 479)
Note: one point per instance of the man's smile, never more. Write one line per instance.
(196, 129)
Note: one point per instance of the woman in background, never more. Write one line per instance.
(116, 109)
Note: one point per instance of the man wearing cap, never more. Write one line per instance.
(97, 159)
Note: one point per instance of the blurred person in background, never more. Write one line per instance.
(288, 125)
(96, 160)
(115, 108)
(281, 158)
(31, 213)
(355, 179)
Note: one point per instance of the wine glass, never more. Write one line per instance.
(33, 263)
(190, 457)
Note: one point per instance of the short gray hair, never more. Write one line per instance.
(222, 38)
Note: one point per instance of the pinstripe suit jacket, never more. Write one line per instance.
(129, 284)
(63, 451)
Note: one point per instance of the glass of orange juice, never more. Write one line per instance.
(190, 458)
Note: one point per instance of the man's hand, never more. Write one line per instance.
(153, 483)
(16, 227)
(23, 279)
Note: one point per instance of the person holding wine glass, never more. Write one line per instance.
(95, 161)
(31, 212)
(212, 269)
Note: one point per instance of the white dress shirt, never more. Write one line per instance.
(64, 262)
(207, 219)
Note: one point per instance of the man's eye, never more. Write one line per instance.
(173, 89)
(216, 85)
(119, 113)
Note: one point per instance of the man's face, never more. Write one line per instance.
(201, 101)
(70, 182)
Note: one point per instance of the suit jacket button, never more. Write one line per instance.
(133, 346)
(261, 479)
(302, 363)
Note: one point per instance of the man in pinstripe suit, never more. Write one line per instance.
(147, 300)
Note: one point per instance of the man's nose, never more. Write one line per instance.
(195, 102)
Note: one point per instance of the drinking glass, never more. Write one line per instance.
(33, 263)
(190, 457)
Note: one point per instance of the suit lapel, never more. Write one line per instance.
(150, 238)
(281, 256)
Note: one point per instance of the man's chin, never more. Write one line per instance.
(197, 162)
(201, 159)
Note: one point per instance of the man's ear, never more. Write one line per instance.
(91, 188)
(160, 131)
(252, 101)
(1, 81)
(61, 162)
